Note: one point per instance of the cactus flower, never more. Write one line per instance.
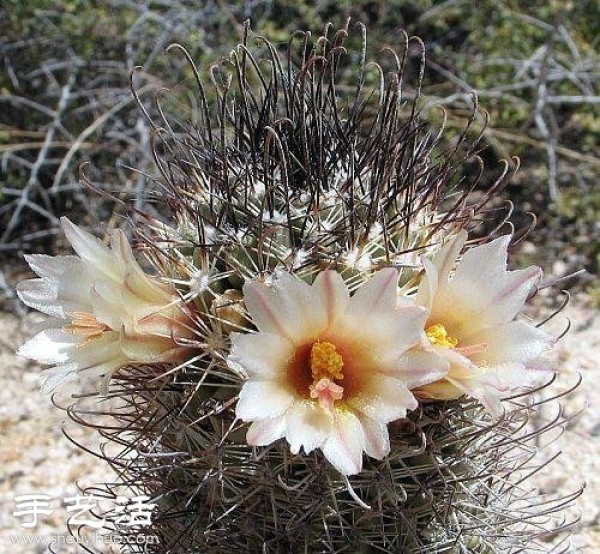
(326, 370)
(108, 312)
(471, 323)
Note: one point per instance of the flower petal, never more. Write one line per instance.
(513, 342)
(56, 293)
(266, 431)
(333, 294)
(446, 257)
(391, 334)
(90, 249)
(428, 286)
(439, 390)
(51, 346)
(377, 438)
(54, 377)
(490, 399)
(107, 305)
(289, 307)
(263, 399)
(450, 386)
(144, 286)
(260, 355)
(144, 348)
(344, 447)
(376, 296)
(384, 398)
(98, 350)
(308, 426)
(419, 367)
(494, 296)
(438, 269)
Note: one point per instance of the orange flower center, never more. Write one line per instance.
(317, 369)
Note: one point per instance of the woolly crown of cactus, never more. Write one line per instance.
(322, 360)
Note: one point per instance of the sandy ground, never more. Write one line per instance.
(36, 458)
(35, 455)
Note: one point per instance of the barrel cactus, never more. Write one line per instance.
(328, 354)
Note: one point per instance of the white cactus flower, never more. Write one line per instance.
(326, 370)
(108, 312)
(471, 323)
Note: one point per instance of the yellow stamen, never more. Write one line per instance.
(437, 334)
(326, 362)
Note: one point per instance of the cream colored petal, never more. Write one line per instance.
(482, 293)
(265, 431)
(511, 377)
(438, 269)
(487, 384)
(260, 355)
(489, 397)
(51, 346)
(54, 268)
(512, 342)
(375, 297)
(304, 305)
(98, 350)
(42, 296)
(419, 367)
(544, 365)
(332, 293)
(57, 293)
(162, 321)
(94, 356)
(58, 273)
(145, 287)
(384, 398)
(178, 354)
(461, 367)
(107, 306)
(55, 377)
(391, 334)
(263, 399)
(106, 371)
(90, 249)
(450, 387)
(136, 280)
(403, 301)
(286, 308)
(377, 438)
(428, 285)
(115, 304)
(344, 447)
(445, 259)
(509, 298)
(439, 390)
(307, 426)
(145, 348)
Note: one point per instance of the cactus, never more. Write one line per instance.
(286, 168)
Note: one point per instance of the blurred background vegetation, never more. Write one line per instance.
(65, 99)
